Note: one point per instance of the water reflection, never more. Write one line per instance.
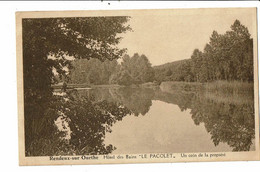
(138, 100)
(225, 122)
(228, 123)
(88, 122)
(100, 122)
(164, 129)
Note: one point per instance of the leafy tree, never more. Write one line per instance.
(186, 72)
(196, 58)
(174, 71)
(227, 56)
(93, 37)
(92, 71)
(137, 69)
(124, 78)
(47, 45)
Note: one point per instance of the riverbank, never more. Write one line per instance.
(219, 87)
(230, 92)
(235, 87)
(144, 85)
(227, 87)
(221, 91)
(70, 86)
(173, 86)
(113, 86)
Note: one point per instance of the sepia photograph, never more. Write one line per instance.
(129, 86)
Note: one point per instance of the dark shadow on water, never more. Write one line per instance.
(81, 129)
(86, 116)
(138, 100)
(229, 121)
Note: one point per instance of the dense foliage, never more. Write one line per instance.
(132, 70)
(92, 71)
(47, 45)
(227, 56)
(174, 71)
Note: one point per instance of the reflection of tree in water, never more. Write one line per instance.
(181, 98)
(97, 95)
(227, 122)
(138, 100)
(88, 122)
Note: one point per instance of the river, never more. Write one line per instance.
(180, 121)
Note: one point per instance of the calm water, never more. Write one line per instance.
(177, 121)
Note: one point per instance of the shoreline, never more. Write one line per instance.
(88, 86)
(219, 85)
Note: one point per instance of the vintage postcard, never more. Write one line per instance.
(137, 86)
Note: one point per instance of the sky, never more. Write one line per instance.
(171, 35)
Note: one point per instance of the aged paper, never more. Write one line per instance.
(137, 86)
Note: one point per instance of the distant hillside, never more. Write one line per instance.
(171, 64)
(173, 71)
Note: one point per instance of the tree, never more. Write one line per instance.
(47, 44)
(94, 37)
(241, 51)
(227, 56)
(92, 71)
(196, 58)
(185, 72)
(124, 78)
(136, 68)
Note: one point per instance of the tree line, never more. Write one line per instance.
(92, 71)
(227, 56)
(132, 70)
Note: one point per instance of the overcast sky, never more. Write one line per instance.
(166, 36)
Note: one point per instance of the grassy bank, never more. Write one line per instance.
(230, 87)
(220, 91)
(230, 92)
(234, 87)
(173, 86)
(72, 86)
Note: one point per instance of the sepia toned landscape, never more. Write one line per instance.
(161, 83)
